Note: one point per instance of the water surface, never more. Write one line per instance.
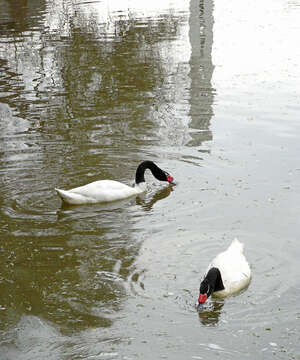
(210, 92)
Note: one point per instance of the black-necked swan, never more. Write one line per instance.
(111, 190)
(227, 274)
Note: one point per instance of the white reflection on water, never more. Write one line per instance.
(257, 65)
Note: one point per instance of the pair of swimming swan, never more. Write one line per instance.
(228, 273)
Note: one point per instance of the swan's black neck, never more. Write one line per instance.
(156, 172)
(212, 282)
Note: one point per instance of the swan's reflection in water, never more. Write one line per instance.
(211, 312)
(147, 202)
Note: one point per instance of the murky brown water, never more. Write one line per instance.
(210, 92)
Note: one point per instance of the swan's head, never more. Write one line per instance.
(163, 175)
(170, 179)
(212, 282)
(157, 172)
(204, 291)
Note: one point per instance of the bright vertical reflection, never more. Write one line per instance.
(201, 68)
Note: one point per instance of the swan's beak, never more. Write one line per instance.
(171, 180)
(201, 300)
(199, 307)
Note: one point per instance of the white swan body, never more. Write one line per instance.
(100, 191)
(228, 273)
(111, 190)
(234, 268)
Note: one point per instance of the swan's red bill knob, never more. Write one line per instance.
(171, 180)
(202, 298)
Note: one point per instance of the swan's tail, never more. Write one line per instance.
(70, 198)
(237, 245)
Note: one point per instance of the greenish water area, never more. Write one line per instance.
(209, 91)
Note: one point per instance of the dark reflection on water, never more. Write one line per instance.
(17, 16)
(147, 202)
(80, 100)
(210, 314)
(72, 272)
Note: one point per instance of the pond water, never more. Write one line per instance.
(209, 91)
